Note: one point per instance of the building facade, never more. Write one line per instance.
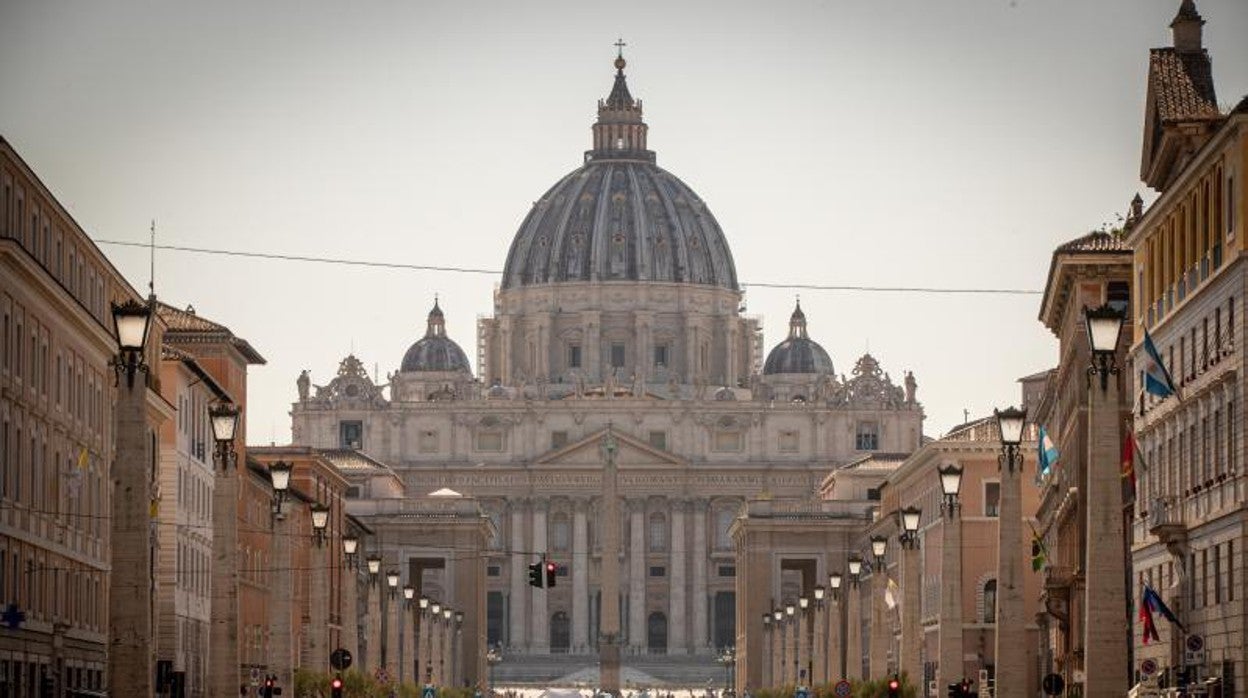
(619, 307)
(1188, 537)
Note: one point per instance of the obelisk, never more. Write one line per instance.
(609, 625)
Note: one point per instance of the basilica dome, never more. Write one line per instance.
(798, 353)
(435, 351)
(620, 217)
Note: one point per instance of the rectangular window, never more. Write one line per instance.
(617, 355)
(658, 439)
(351, 434)
(1230, 570)
(657, 571)
(727, 570)
(727, 441)
(992, 499)
(660, 355)
(788, 441)
(867, 436)
(493, 571)
(353, 492)
(574, 356)
(558, 439)
(1118, 295)
(1217, 574)
(1231, 198)
(489, 440)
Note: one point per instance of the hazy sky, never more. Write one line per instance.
(895, 143)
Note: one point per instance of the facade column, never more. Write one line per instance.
(422, 646)
(1105, 642)
(131, 633)
(790, 649)
(950, 668)
(435, 650)
(676, 637)
(767, 633)
(836, 649)
(911, 629)
(394, 612)
(350, 612)
(636, 575)
(518, 637)
(881, 634)
(407, 661)
(853, 631)
(698, 558)
(281, 657)
(580, 577)
(540, 637)
(803, 646)
(777, 653)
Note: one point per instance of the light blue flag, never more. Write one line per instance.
(1157, 379)
(1048, 451)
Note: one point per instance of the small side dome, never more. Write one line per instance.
(798, 353)
(435, 351)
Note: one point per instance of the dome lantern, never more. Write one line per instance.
(620, 132)
(435, 351)
(798, 353)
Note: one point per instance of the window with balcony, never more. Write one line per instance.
(351, 434)
(992, 499)
(617, 355)
(574, 356)
(867, 436)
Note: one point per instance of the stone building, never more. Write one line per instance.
(58, 447)
(1189, 535)
(619, 307)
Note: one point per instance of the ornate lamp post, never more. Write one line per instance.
(279, 476)
(350, 633)
(881, 629)
(318, 590)
(422, 641)
(350, 544)
(768, 650)
(392, 582)
(853, 623)
(1011, 621)
(805, 671)
(911, 640)
(835, 651)
(778, 670)
(790, 637)
(320, 521)
(493, 657)
(223, 634)
(132, 649)
(373, 563)
(949, 669)
(1106, 657)
(280, 601)
(407, 659)
(819, 636)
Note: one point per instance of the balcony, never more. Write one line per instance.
(1058, 579)
(1165, 520)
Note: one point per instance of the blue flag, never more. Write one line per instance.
(1152, 601)
(1157, 379)
(1048, 451)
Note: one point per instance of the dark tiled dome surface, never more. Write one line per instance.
(435, 351)
(798, 355)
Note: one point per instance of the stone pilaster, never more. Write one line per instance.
(132, 635)
(281, 653)
(350, 611)
(950, 669)
(407, 662)
(225, 673)
(818, 652)
(636, 574)
(424, 646)
(317, 657)
(803, 647)
(435, 651)
(777, 654)
(519, 636)
(540, 637)
(836, 649)
(373, 627)
(580, 577)
(394, 604)
(881, 633)
(1011, 652)
(790, 650)
(768, 653)
(853, 632)
(676, 638)
(699, 559)
(911, 629)
(1105, 635)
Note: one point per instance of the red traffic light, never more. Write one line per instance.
(550, 567)
(894, 684)
(336, 683)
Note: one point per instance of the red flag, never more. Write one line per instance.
(1129, 450)
(1146, 617)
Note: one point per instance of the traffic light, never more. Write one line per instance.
(894, 688)
(335, 687)
(966, 687)
(551, 569)
(954, 690)
(536, 575)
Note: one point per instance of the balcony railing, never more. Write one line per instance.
(1165, 519)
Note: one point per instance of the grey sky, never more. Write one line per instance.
(914, 143)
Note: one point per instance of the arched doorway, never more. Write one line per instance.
(560, 636)
(656, 633)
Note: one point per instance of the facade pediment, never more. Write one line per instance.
(589, 451)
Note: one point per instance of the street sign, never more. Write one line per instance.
(801, 692)
(427, 692)
(1196, 658)
(340, 659)
(1053, 684)
(843, 689)
(1195, 643)
(1148, 667)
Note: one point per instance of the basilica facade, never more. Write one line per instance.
(619, 309)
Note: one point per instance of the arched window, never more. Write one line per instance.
(990, 601)
(658, 532)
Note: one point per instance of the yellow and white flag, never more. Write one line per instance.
(83, 458)
(891, 593)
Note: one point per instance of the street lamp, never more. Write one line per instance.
(804, 603)
(446, 614)
(789, 610)
(879, 547)
(132, 322)
(909, 537)
(436, 609)
(350, 543)
(392, 581)
(320, 520)
(409, 593)
(819, 594)
(834, 583)
(279, 474)
(373, 562)
(1104, 325)
(1010, 422)
(223, 417)
(855, 569)
(950, 484)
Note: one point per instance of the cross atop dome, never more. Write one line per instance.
(437, 321)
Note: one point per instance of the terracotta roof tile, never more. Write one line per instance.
(1182, 82)
(1095, 241)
